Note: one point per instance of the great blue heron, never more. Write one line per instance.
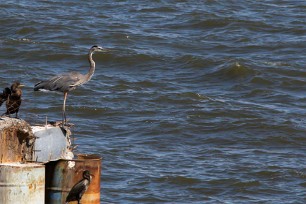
(79, 189)
(13, 98)
(69, 81)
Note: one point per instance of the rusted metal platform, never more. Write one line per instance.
(42, 156)
(16, 140)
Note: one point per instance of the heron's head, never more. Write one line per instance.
(96, 48)
(16, 85)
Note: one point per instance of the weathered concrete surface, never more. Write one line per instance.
(16, 140)
(52, 143)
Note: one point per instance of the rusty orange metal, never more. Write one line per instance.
(61, 176)
(16, 140)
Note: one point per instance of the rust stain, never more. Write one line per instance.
(67, 177)
(31, 186)
(21, 183)
(16, 140)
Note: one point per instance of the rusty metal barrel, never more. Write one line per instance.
(63, 174)
(22, 183)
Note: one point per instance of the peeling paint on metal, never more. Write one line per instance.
(22, 183)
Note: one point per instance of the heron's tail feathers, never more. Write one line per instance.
(38, 86)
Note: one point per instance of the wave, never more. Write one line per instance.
(195, 61)
(162, 9)
(179, 180)
(237, 70)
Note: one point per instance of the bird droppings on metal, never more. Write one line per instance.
(71, 164)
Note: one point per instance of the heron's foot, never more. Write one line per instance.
(64, 123)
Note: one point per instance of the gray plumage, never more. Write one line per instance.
(62, 83)
(69, 81)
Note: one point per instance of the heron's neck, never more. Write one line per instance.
(92, 66)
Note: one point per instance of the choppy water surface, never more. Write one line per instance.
(196, 101)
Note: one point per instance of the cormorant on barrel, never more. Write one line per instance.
(5, 94)
(13, 98)
(79, 189)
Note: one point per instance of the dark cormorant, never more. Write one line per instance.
(5, 94)
(79, 189)
(13, 100)
(69, 81)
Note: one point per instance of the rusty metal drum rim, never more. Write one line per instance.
(93, 157)
(89, 156)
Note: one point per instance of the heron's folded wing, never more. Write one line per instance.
(62, 82)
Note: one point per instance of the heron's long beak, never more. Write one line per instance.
(104, 50)
(21, 85)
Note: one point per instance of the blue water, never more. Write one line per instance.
(195, 101)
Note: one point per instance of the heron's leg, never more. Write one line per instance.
(64, 108)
